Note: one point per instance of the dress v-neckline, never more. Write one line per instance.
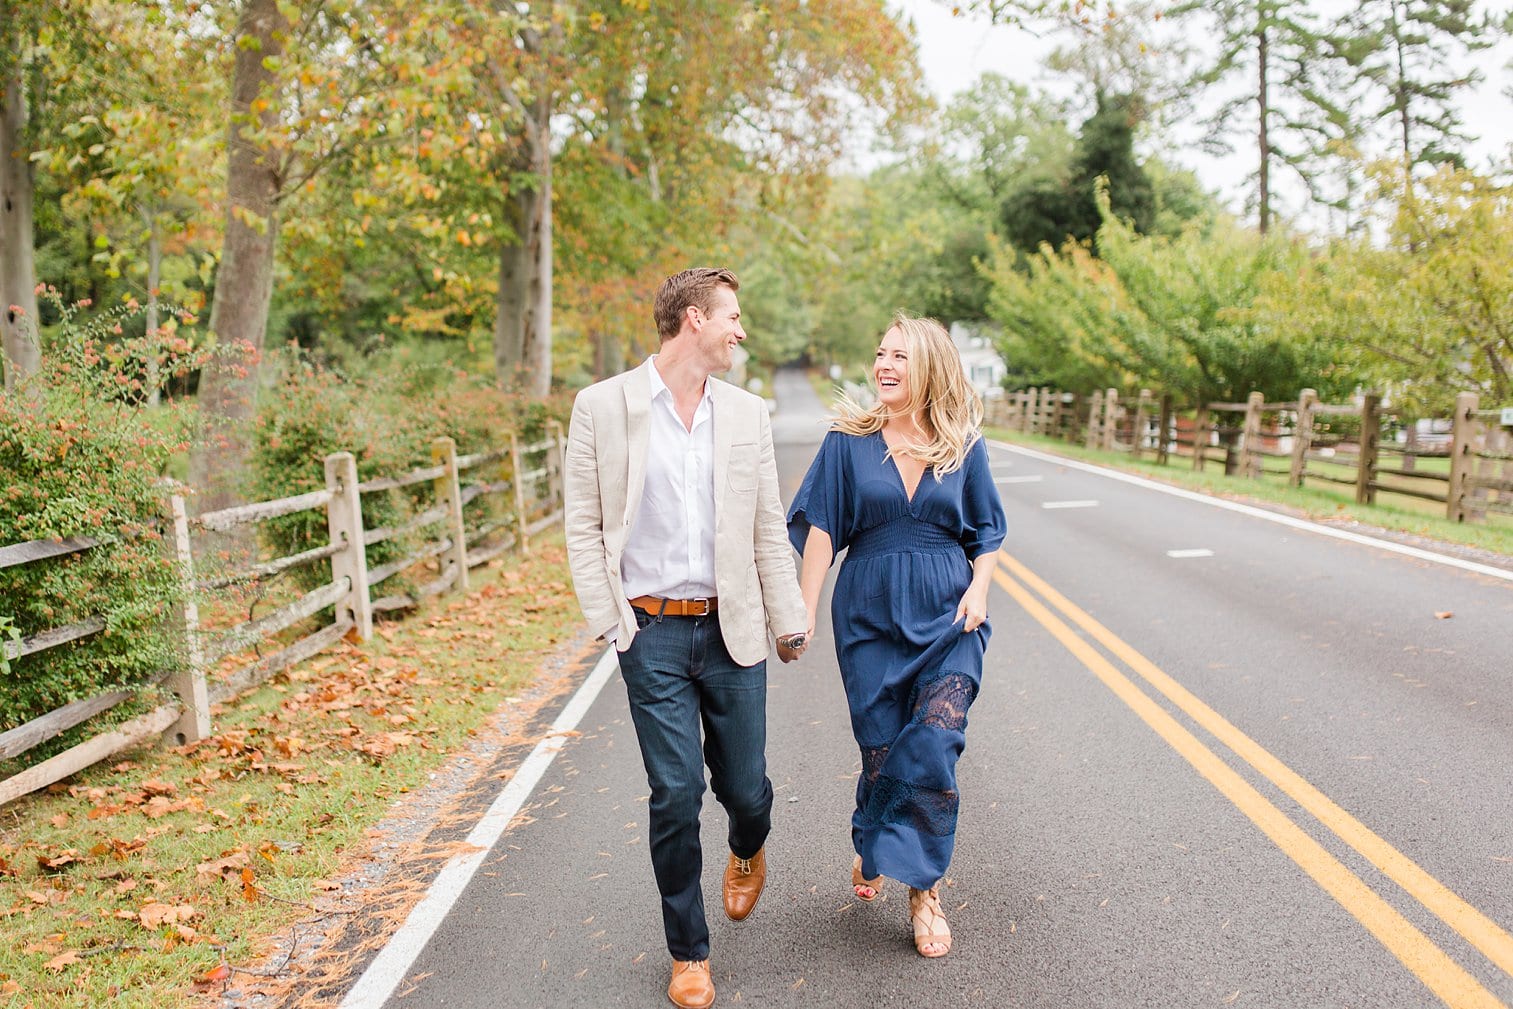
(903, 483)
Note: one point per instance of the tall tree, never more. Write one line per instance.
(139, 162)
(244, 279)
(998, 136)
(1121, 55)
(638, 83)
(525, 81)
(19, 23)
(1411, 56)
(299, 92)
(1066, 208)
(1277, 47)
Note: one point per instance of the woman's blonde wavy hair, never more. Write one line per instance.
(949, 408)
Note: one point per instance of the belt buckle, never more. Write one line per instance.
(705, 611)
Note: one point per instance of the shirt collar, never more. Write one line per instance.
(659, 387)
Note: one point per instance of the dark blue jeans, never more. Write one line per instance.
(680, 677)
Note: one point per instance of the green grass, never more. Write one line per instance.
(132, 880)
(1319, 500)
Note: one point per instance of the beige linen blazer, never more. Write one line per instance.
(603, 480)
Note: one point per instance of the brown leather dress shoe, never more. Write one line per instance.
(691, 987)
(744, 879)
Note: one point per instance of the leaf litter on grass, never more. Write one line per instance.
(137, 883)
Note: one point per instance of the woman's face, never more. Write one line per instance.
(891, 371)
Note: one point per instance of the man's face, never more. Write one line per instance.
(720, 331)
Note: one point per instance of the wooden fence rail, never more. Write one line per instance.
(511, 494)
(1339, 443)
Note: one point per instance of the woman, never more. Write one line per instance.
(905, 488)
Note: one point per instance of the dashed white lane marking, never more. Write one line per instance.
(1197, 552)
(1069, 504)
(388, 969)
(1263, 514)
(1018, 479)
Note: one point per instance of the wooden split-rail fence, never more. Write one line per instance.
(1467, 466)
(481, 505)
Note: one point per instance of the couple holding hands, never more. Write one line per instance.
(681, 558)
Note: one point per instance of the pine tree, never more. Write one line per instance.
(1298, 120)
(1052, 211)
(1410, 57)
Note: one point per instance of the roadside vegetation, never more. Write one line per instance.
(167, 875)
(1321, 501)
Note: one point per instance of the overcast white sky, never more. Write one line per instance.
(956, 50)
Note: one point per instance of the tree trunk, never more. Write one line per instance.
(523, 322)
(22, 355)
(154, 278)
(609, 355)
(244, 281)
(1400, 89)
(510, 304)
(539, 329)
(1265, 143)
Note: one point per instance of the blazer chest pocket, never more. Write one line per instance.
(741, 472)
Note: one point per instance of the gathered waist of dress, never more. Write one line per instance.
(903, 535)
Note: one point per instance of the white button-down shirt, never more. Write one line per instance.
(670, 551)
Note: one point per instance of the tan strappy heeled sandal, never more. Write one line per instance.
(930, 925)
(858, 881)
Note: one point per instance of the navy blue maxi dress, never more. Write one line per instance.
(909, 672)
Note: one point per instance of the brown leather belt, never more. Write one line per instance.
(657, 606)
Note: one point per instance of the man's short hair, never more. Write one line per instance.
(694, 287)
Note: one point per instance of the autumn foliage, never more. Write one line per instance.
(83, 458)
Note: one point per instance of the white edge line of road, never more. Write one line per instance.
(1261, 513)
(388, 969)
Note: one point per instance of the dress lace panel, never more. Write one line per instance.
(942, 703)
(927, 810)
(872, 763)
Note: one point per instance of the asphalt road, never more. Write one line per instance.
(1261, 772)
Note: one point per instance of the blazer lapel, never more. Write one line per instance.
(724, 433)
(637, 437)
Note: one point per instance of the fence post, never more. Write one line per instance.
(1302, 437)
(519, 484)
(1250, 437)
(1200, 438)
(1058, 413)
(1142, 415)
(344, 524)
(1110, 418)
(189, 683)
(1462, 432)
(1371, 428)
(1022, 400)
(1094, 436)
(448, 490)
(1164, 430)
(557, 463)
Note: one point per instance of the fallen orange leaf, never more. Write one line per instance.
(62, 960)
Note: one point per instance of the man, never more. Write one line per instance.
(680, 558)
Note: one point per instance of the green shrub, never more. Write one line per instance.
(387, 418)
(83, 458)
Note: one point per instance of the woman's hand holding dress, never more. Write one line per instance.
(973, 609)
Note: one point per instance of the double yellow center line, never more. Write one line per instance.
(1442, 975)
